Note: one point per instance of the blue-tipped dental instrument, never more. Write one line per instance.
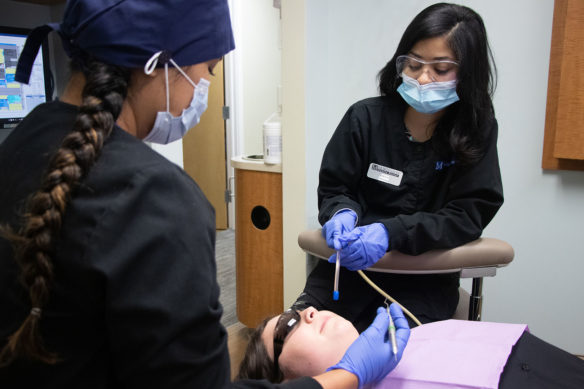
(337, 269)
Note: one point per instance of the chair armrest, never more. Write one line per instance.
(475, 259)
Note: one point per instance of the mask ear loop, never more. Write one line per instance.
(182, 72)
(151, 65)
(166, 87)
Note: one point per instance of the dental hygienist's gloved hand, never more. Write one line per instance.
(362, 247)
(402, 329)
(370, 357)
(342, 221)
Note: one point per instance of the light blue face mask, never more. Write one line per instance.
(428, 98)
(168, 128)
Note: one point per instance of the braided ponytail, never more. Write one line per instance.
(103, 95)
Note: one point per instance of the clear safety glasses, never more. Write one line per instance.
(438, 71)
(285, 324)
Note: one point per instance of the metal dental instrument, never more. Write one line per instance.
(337, 269)
(391, 331)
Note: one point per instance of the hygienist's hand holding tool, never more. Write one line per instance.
(369, 357)
(343, 221)
(363, 246)
(337, 269)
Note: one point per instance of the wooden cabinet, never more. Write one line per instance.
(258, 242)
(564, 125)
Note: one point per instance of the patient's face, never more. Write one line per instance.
(315, 344)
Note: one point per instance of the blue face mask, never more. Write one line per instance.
(428, 98)
(168, 128)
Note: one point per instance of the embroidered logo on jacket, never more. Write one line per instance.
(444, 164)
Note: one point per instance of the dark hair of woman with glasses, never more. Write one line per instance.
(462, 126)
(414, 169)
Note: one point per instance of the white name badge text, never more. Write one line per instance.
(385, 174)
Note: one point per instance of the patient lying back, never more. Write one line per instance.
(446, 353)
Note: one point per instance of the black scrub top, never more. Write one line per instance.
(425, 198)
(135, 302)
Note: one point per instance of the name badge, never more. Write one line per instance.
(385, 174)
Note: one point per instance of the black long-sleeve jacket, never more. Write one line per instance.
(424, 200)
(134, 302)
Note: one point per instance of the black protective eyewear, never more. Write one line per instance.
(285, 324)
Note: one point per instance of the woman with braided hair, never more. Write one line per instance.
(104, 92)
(107, 265)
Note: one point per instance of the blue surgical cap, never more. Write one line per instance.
(128, 32)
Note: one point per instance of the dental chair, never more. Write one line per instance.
(476, 259)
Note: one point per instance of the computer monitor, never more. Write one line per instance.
(17, 100)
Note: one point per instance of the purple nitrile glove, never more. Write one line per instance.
(341, 222)
(370, 357)
(363, 246)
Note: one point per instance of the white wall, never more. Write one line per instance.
(258, 43)
(347, 44)
(293, 141)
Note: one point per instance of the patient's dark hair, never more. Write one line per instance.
(34, 241)
(256, 363)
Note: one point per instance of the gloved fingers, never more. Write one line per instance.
(379, 232)
(350, 236)
(347, 262)
(343, 221)
(330, 231)
(347, 238)
(333, 258)
(376, 238)
(351, 263)
(351, 248)
(402, 332)
(351, 257)
(367, 242)
(380, 324)
(347, 217)
(398, 316)
(323, 231)
(358, 256)
(381, 310)
(370, 357)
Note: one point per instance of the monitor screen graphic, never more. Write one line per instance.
(16, 99)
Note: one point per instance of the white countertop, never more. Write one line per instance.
(241, 162)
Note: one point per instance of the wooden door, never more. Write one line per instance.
(204, 150)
